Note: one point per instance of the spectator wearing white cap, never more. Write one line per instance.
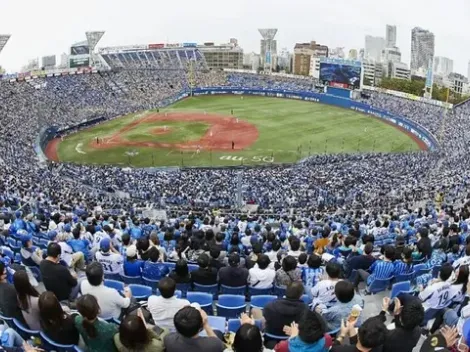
(132, 265)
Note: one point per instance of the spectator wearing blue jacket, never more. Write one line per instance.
(78, 244)
(153, 269)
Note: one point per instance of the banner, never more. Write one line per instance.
(156, 46)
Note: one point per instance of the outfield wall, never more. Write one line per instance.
(46, 135)
(414, 128)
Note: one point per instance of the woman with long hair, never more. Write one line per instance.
(181, 273)
(288, 272)
(55, 323)
(27, 299)
(136, 336)
(97, 334)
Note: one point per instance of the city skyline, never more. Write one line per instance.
(144, 21)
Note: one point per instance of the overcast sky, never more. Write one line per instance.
(47, 27)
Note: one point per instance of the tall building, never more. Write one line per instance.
(337, 53)
(303, 54)
(268, 47)
(443, 66)
(422, 49)
(374, 47)
(398, 70)
(468, 73)
(390, 36)
(373, 72)
(391, 54)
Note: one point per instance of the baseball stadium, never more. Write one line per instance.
(151, 200)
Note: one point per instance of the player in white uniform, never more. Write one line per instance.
(323, 292)
(112, 262)
(438, 295)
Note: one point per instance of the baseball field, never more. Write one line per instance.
(228, 131)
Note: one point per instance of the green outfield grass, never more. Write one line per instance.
(289, 130)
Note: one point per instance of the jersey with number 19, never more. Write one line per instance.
(437, 295)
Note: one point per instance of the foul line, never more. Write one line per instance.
(78, 148)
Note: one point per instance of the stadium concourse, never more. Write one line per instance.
(327, 233)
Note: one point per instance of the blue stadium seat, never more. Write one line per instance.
(118, 285)
(192, 267)
(262, 300)
(378, 285)
(400, 287)
(184, 288)
(17, 258)
(230, 306)
(275, 337)
(115, 277)
(15, 249)
(152, 283)
(213, 289)
(50, 345)
(253, 291)
(140, 292)
(170, 265)
(234, 324)
(25, 333)
(203, 299)
(216, 323)
(36, 272)
(43, 243)
(233, 290)
(9, 253)
(131, 279)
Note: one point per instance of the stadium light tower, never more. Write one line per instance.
(4, 40)
(93, 38)
(268, 47)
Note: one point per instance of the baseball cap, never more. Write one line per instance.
(105, 244)
(131, 251)
(67, 228)
(52, 235)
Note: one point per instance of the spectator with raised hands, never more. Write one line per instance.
(248, 337)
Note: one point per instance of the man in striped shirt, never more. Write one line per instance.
(380, 269)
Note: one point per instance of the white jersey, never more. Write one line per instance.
(66, 253)
(436, 296)
(324, 292)
(112, 262)
(97, 237)
(461, 261)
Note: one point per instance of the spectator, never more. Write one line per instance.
(275, 248)
(29, 255)
(407, 331)
(424, 244)
(322, 242)
(153, 268)
(380, 269)
(312, 273)
(132, 265)
(97, 334)
(55, 323)
(438, 294)
(164, 307)
(204, 275)
(8, 297)
(181, 274)
(370, 337)
(363, 261)
(79, 244)
(110, 260)
(346, 299)
(109, 299)
(27, 299)
(261, 276)
(288, 273)
(294, 248)
(324, 291)
(307, 335)
(302, 261)
(56, 277)
(465, 260)
(73, 260)
(135, 335)
(284, 311)
(189, 322)
(215, 259)
(233, 275)
(404, 266)
(248, 337)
